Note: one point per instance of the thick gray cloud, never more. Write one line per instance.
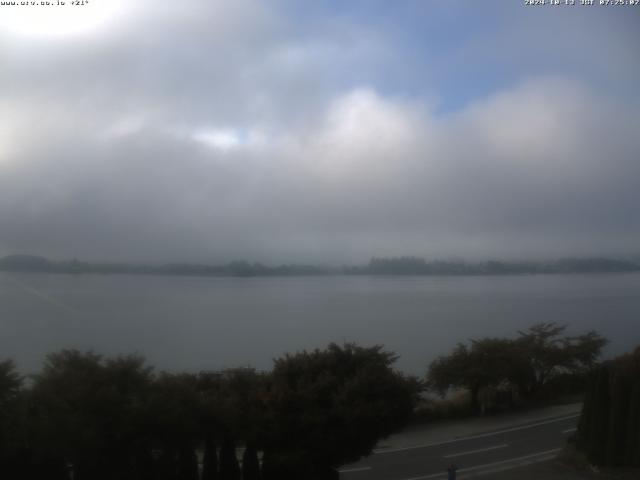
(226, 130)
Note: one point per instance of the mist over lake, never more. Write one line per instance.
(194, 323)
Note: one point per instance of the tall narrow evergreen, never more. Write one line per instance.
(250, 464)
(609, 427)
(267, 469)
(210, 460)
(187, 464)
(144, 465)
(167, 465)
(618, 419)
(632, 450)
(586, 417)
(599, 427)
(229, 467)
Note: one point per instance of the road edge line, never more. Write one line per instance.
(515, 462)
(473, 437)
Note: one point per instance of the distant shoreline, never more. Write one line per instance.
(397, 266)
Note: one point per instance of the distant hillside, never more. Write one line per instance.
(31, 263)
(377, 266)
(419, 266)
(25, 263)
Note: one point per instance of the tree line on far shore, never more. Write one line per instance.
(376, 266)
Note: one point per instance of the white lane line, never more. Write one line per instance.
(475, 451)
(473, 437)
(359, 469)
(569, 430)
(526, 459)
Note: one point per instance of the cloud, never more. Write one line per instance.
(228, 131)
(219, 138)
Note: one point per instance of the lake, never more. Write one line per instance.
(194, 323)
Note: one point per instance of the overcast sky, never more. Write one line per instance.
(292, 131)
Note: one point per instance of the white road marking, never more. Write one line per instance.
(475, 451)
(473, 437)
(528, 458)
(569, 430)
(351, 470)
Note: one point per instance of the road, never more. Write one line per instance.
(473, 455)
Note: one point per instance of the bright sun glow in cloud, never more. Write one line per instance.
(221, 139)
(57, 17)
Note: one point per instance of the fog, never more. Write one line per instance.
(211, 131)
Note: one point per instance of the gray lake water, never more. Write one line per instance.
(191, 323)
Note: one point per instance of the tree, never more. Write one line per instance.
(172, 420)
(187, 463)
(210, 459)
(232, 409)
(487, 362)
(548, 353)
(10, 382)
(610, 419)
(229, 467)
(527, 363)
(632, 450)
(250, 463)
(620, 392)
(329, 407)
(11, 419)
(88, 412)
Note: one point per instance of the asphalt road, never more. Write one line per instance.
(474, 455)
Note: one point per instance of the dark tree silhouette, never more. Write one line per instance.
(210, 460)
(250, 463)
(102, 418)
(229, 467)
(330, 407)
(527, 363)
(609, 426)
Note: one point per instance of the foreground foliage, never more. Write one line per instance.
(114, 418)
(609, 428)
(527, 366)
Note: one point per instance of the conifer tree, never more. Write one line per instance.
(210, 460)
(187, 464)
(229, 467)
(250, 464)
(632, 450)
(618, 419)
(599, 421)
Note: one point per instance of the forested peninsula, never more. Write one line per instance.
(376, 266)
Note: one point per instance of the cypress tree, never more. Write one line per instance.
(586, 415)
(250, 464)
(229, 468)
(618, 418)
(167, 466)
(187, 464)
(609, 427)
(597, 439)
(282, 466)
(268, 470)
(210, 460)
(144, 465)
(632, 451)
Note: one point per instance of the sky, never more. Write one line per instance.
(325, 132)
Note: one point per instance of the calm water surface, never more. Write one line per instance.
(208, 323)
